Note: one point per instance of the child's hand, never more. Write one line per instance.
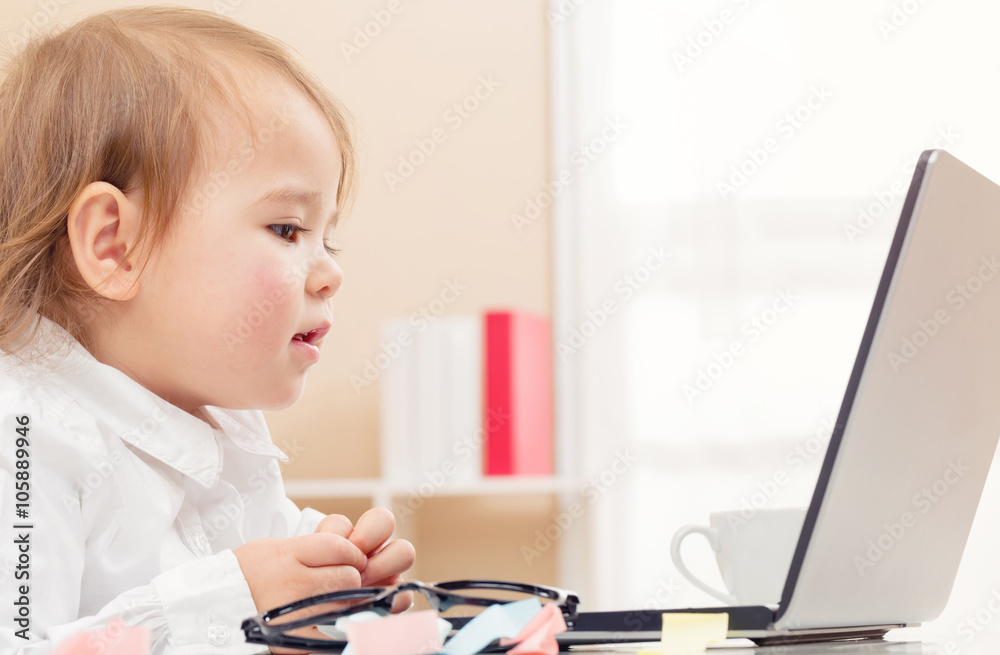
(280, 571)
(386, 562)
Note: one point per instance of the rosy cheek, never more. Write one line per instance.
(263, 309)
(267, 284)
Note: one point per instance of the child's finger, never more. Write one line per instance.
(396, 557)
(402, 602)
(336, 578)
(373, 529)
(326, 549)
(323, 580)
(336, 524)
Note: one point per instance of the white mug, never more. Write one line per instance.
(753, 553)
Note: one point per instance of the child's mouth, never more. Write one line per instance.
(312, 337)
(305, 344)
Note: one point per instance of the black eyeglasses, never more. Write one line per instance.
(305, 616)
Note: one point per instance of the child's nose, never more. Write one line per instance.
(325, 278)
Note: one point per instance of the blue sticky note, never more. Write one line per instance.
(495, 622)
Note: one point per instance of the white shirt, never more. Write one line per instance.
(135, 507)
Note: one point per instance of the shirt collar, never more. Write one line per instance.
(141, 418)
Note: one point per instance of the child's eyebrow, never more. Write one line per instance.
(289, 195)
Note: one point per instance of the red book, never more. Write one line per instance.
(517, 394)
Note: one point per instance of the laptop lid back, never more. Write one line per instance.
(919, 422)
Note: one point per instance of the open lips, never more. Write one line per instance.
(312, 337)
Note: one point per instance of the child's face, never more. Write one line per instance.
(222, 301)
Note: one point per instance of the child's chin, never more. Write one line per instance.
(275, 402)
(271, 399)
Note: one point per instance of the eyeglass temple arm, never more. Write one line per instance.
(545, 592)
(569, 600)
(262, 621)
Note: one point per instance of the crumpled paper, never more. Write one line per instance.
(539, 636)
(114, 639)
(526, 623)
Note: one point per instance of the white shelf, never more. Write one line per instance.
(375, 487)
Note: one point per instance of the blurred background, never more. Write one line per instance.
(672, 183)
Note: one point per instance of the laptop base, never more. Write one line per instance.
(745, 622)
(787, 637)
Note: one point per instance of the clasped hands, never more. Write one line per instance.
(338, 555)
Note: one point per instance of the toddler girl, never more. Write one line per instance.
(169, 184)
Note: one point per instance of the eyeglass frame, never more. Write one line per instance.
(258, 629)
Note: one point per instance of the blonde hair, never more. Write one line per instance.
(121, 97)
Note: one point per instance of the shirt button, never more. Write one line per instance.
(218, 634)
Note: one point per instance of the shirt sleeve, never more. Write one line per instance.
(304, 520)
(296, 522)
(205, 602)
(196, 608)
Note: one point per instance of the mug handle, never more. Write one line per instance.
(675, 555)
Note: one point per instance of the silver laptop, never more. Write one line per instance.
(913, 442)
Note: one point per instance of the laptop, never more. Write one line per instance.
(912, 444)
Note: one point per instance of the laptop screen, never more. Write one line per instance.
(918, 426)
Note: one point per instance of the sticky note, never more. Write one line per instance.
(336, 631)
(685, 634)
(495, 622)
(539, 636)
(409, 633)
(115, 639)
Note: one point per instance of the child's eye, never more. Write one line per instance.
(285, 230)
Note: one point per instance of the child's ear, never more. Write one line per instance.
(102, 226)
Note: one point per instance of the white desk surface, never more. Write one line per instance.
(737, 647)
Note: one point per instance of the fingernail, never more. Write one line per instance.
(364, 564)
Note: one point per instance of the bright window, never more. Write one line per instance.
(767, 147)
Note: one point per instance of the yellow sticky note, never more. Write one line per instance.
(684, 634)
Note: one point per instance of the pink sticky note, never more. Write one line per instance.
(538, 637)
(409, 633)
(115, 639)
